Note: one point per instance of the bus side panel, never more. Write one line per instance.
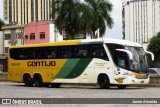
(89, 73)
(103, 67)
(16, 70)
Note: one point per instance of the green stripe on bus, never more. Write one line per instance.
(79, 68)
(67, 68)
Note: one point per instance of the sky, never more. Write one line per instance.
(116, 14)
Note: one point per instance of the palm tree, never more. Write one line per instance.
(99, 15)
(62, 14)
(75, 16)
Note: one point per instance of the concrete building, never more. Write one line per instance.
(1, 43)
(25, 11)
(32, 33)
(141, 20)
(41, 32)
(12, 35)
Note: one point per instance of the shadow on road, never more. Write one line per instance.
(81, 87)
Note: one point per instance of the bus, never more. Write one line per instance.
(105, 62)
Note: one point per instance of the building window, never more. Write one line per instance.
(19, 36)
(36, 10)
(42, 35)
(7, 36)
(6, 49)
(32, 10)
(32, 36)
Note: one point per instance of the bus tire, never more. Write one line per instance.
(56, 85)
(121, 86)
(27, 80)
(103, 81)
(37, 79)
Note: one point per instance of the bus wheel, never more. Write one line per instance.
(37, 80)
(103, 81)
(56, 85)
(121, 86)
(27, 80)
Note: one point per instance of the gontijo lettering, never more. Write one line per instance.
(40, 63)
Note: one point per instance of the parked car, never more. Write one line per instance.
(154, 70)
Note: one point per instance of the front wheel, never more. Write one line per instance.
(103, 81)
(121, 86)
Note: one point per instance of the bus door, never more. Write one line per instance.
(120, 72)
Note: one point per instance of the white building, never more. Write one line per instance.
(141, 19)
(1, 42)
(12, 35)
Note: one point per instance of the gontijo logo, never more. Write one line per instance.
(41, 63)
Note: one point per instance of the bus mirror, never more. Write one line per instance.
(152, 55)
(128, 52)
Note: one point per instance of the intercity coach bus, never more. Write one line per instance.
(103, 61)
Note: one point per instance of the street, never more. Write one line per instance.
(18, 90)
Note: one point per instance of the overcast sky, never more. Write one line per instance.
(1, 9)
(115, 32)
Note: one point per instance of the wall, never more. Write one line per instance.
(37, 27)
(51, 35)
(1, 42)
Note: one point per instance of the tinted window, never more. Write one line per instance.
(80, 51)
(119, 58)
(75, 51)
(98, 51)
(65, 52)
(33, 53)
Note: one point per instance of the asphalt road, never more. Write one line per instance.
(16, 90)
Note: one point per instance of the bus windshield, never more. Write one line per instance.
(139, 62)
(121, 59)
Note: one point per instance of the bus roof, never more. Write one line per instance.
(122, 42)
(85, 41)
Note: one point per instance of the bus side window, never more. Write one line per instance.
(98, 51)
(61, 52)
(51, 53)
(74, 52)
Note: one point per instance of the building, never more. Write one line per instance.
(12, 35)
(25, 11)
(41, 32)
(141, 20)
(1, 43)
(3, 58)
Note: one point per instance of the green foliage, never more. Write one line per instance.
(75, 16)
(154, 47)
(1, 23)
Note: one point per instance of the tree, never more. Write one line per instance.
(99, 15)
(154, 47)
(61, 13)
(75, 16)
(1, 24)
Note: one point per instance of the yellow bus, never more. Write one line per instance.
(106, 62)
